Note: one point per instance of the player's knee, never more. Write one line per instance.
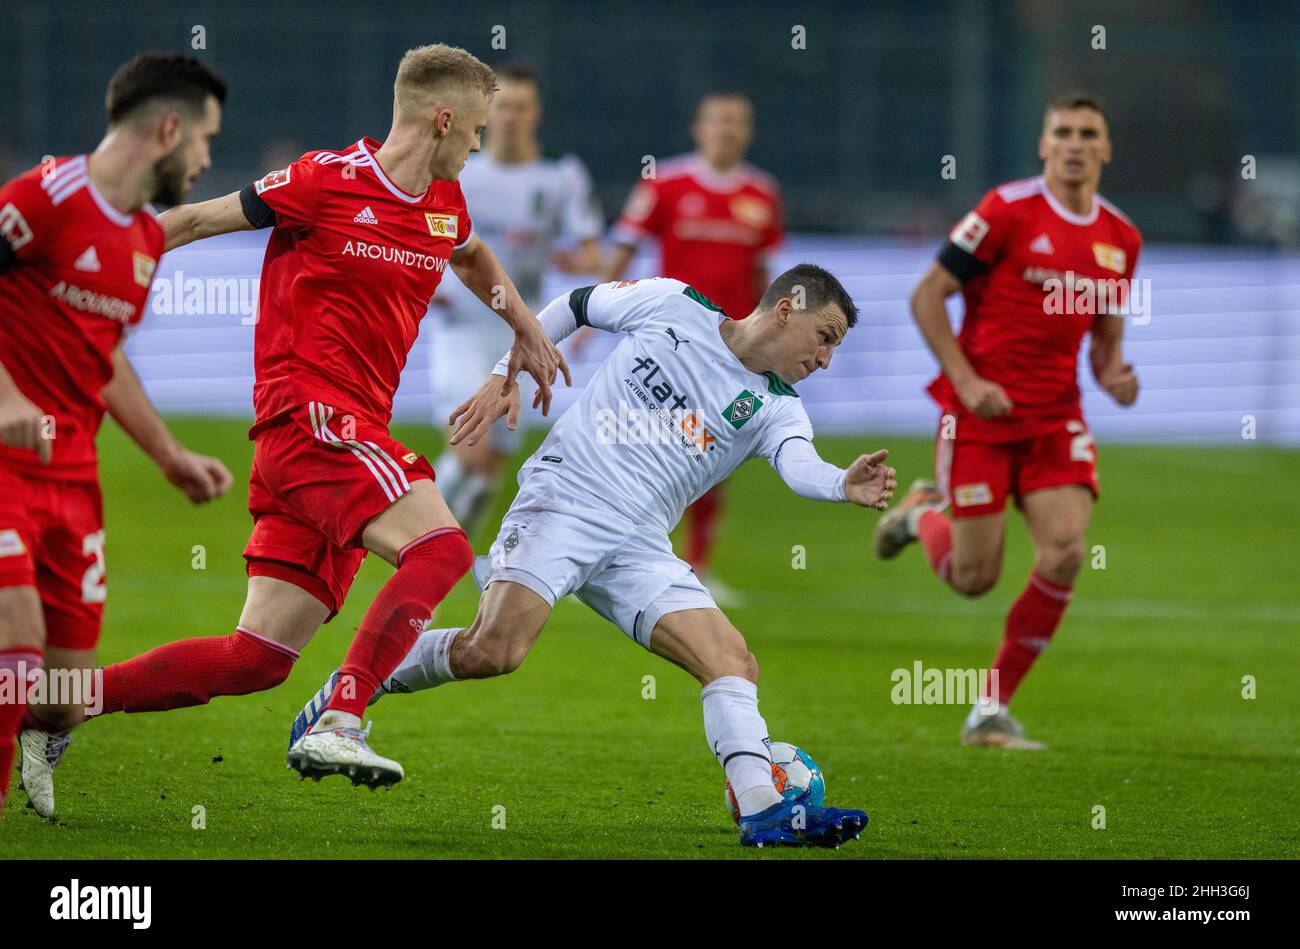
(1060, 561)
(731, 658)
(973, 579)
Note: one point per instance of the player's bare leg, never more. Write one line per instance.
(47, 728)
(1058, 522)
(418, 535)
(706, 644)
(965, 553)
(977, 544)
(22, 645)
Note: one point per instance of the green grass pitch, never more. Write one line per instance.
(1139, 697)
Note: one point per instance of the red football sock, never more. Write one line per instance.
(17, 668)
(1030, 625)
(195, 671)
(427, 568)
(935, 532)
(702, 520)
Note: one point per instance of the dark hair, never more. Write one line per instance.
(717, 94)
(820, 288)
(152, 76)
(1077, 100)
(518, 72)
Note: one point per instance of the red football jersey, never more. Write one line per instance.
(80, 275)
(713, 228)
(1027, 264)
(348, 274)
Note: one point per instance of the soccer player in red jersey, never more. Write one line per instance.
(77, 259)
(1012, 422)
(718, 220)
(361, 239)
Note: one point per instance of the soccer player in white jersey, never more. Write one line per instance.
(685, 398)
(535, 209)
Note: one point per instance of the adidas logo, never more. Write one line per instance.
(1042, 245)
(88, 261)
(365, 216)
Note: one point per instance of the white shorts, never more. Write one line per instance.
(556, 541)
(463, 356)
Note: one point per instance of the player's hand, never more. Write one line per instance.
(480, 411)
(535, 354)
(200, 477)
(869, 482)
(1122, 384)
(985, 398)
(22, 425)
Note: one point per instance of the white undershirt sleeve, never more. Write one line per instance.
(799, 466)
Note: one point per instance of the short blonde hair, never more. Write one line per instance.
(439, 68)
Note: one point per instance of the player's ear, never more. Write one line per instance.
(442, 121)
(171, 128)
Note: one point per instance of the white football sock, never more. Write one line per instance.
(913, 517)
(428, 664)
(737, 737)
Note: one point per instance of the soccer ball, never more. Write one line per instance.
(794, 773)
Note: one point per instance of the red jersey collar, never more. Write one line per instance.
(368, 148)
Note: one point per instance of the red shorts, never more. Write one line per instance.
(52, 538)
(977, 476)
(319, 477)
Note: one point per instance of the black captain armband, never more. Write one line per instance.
(960, 263)
(258, 212)
(578, 304)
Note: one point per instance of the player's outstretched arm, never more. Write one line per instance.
(186, 223)
(868, 482)
(982, 396)
(200, 477)
(22, 423)
(1106, 354)
(480, 271)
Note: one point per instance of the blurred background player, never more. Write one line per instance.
(525, 203)
(1012, 421)
(79, 251)
(717, 219)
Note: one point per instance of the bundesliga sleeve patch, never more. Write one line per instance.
(273, 179)
(11, 545)
(969, 231)
(442, 225)
(14, 227)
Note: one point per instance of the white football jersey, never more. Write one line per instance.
(523, 211)
(671, 411)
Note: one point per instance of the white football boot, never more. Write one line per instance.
(998, 731)
(42, 751)
(344, 751)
